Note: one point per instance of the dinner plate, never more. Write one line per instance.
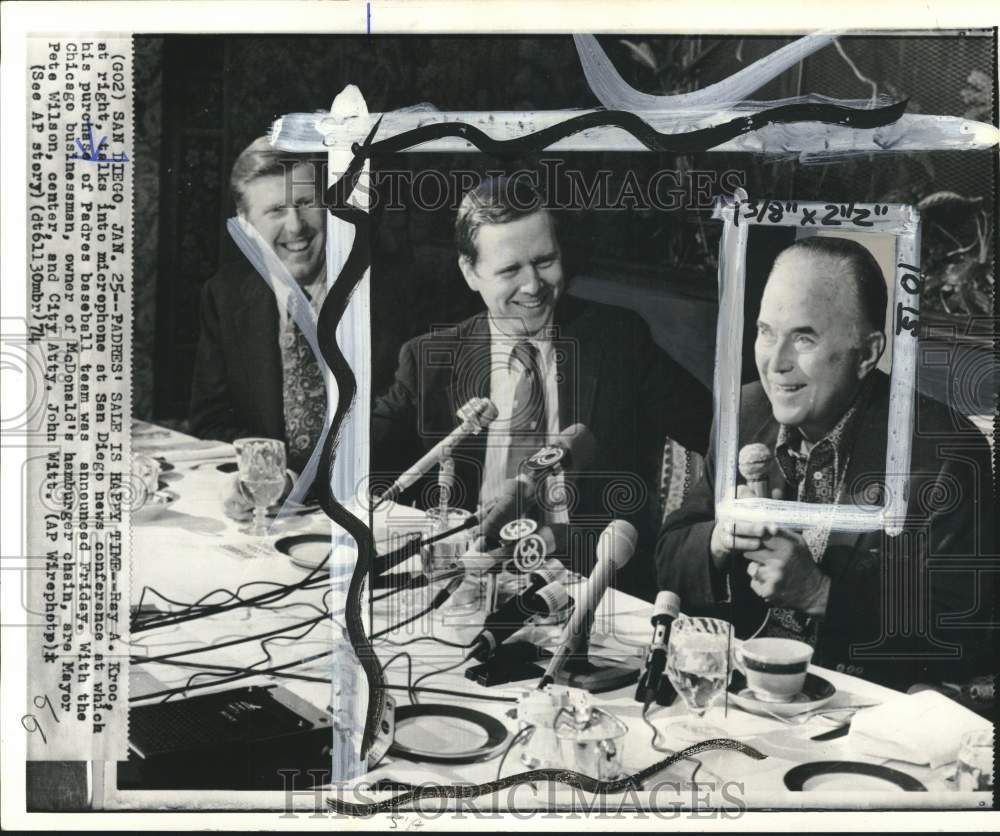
(822, 775)
(815, 693)
(443, 733)
(307, 551)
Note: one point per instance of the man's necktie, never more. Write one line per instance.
(528, 425)
(304, 395)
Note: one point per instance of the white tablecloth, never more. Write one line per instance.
(192, 549)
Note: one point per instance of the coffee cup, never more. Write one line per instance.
(775, 669)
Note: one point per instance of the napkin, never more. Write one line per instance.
(193, 451)
(921, 728)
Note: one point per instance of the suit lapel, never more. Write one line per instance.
(469, 378)
(256, 317)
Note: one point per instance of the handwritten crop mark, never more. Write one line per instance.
(92, 154)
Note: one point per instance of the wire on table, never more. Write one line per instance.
(429, 674)
(427, 639)
(409, 672)
(526, 732)
(658, 748)
(471, 695)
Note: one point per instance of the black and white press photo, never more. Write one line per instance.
(432, 423)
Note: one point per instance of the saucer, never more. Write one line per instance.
(815, 693)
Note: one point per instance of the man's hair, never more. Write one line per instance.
(496, 200)
(261, 159)
(855, 260)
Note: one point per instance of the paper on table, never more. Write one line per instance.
(922, 728)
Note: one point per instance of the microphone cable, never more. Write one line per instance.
(439, 599)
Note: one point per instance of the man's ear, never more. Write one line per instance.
(872, 346)
(468, 272)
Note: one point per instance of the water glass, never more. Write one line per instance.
(699, 664)
(262, 473)
(145, 477)
(975, 762)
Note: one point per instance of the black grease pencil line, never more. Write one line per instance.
(359, 259)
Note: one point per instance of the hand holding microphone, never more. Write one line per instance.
(731, 536)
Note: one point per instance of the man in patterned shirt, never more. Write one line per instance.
(870, 604)
(254, 372)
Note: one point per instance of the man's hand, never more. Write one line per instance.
(730, 536)
(784, 574)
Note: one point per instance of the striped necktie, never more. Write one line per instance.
(528, 426)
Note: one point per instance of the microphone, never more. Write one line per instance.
(614, 549)
(551, 570)
(502, 624)
(487, 561)
(475, 416)
(574, 447)
(754, 463)
(666, 609)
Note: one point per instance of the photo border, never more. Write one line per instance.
(900, 220)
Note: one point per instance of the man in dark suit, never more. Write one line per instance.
(898, 610)
(547, 361)
(254, 373)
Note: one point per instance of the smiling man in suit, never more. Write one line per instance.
(254, 373)
(547, 361)
(870, 604)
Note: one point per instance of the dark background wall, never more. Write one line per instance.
(201, 99)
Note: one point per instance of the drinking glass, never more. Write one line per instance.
(145, 472)
(262, 472)
(974, 772)
(699, 667)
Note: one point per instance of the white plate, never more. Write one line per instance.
(816, 693)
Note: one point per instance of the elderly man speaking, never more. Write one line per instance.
(822, 406)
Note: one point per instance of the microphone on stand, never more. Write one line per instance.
(508, 619)
(575, 448)
(651, 687)
(475, 416)
(754, 463)
(614, 549)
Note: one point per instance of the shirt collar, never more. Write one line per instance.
(501, 344)
(830, 448)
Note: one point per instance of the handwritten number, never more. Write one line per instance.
(911, 284)
(859, 217)
(30, 725)
(42, 701)
(904, 322)
(830, 218)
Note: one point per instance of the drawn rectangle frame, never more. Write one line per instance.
(899, 220)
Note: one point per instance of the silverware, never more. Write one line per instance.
(805, 716)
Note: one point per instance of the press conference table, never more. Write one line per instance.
(192, 549)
